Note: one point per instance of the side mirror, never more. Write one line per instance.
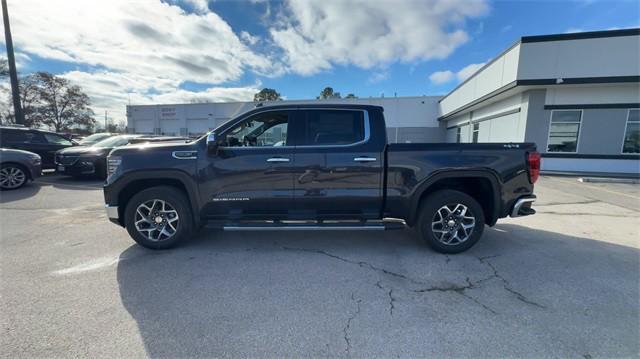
(212, 142)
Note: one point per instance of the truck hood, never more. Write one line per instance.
(83, 150)
(152, 148)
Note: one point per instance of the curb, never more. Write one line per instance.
(609, 180)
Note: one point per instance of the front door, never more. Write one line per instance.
(338, 170)
(249, 177)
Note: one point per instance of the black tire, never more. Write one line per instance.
(434, 237)
(15, 169)
(176, 200)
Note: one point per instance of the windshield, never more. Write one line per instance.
(114, 141)
(96, 137)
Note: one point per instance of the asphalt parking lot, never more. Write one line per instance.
(562, 283)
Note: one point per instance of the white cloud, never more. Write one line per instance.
(315, 35)
(199, 6)
(248, 38)
(141, 47)
(379, 77)
(112, 91)
(443, 77)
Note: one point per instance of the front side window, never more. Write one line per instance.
(632, 133)
(267, 129)
(57, 140)
(333, 127)
(564, 130)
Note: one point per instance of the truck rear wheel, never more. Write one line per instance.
(158, 217)
(450, 221)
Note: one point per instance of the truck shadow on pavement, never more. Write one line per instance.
(263, 294)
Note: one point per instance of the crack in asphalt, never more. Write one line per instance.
(458, 289)
(461, 291)
(361, 264)
(345, 330)
(390, 295)
(506, 285)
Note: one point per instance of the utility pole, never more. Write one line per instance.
(13, 74)
(105, 120)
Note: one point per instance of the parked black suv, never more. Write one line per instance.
(92, 160)
(44, 143)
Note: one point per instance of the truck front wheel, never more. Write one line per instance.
(450, 221)
(158, 217)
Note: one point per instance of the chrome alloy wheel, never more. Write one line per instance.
(12, 177)
(453, 224)
(156, 220)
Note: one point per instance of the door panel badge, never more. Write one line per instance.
(229, 199)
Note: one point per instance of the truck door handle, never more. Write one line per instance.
(278, 159)
(364, 159)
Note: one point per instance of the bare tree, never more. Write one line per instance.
(62, 105)
(328, 93)
(4, 67)
(267, 94)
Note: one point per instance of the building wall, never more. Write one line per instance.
(498, 73)
(596, 57)
(409, 119)
(500, 121)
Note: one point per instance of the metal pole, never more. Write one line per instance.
(105, 120)
(13, 74)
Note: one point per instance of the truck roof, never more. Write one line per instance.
(320, 105)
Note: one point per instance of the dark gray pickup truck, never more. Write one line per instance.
(317, 167)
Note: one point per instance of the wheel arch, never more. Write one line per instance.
(24, 167)
(475, 183)
(138, 181)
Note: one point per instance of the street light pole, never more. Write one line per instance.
(13, 74)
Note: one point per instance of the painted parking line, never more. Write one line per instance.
(598, 188)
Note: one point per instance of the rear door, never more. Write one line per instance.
(338, 170)
(46, 144)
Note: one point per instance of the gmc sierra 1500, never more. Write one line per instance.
(309, 167)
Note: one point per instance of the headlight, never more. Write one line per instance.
(36, 160)
(112, 164)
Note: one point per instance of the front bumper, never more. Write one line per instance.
(522, 207)
(112, 213)
(82, 166)
(36, 171)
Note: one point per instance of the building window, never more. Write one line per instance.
(476, 132)
(458, 134)
(631, 142)
(564, 130)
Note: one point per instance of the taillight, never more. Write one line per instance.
(534, 161)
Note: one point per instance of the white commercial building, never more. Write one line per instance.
(577, 96)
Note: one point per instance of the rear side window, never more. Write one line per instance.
(333, 127)
(13, 136)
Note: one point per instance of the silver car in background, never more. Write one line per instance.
(17, 167)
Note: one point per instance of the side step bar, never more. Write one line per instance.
(286, 226)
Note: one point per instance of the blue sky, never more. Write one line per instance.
(149, 51)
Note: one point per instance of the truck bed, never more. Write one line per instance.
(412, 165)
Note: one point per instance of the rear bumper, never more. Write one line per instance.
(522, 207)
